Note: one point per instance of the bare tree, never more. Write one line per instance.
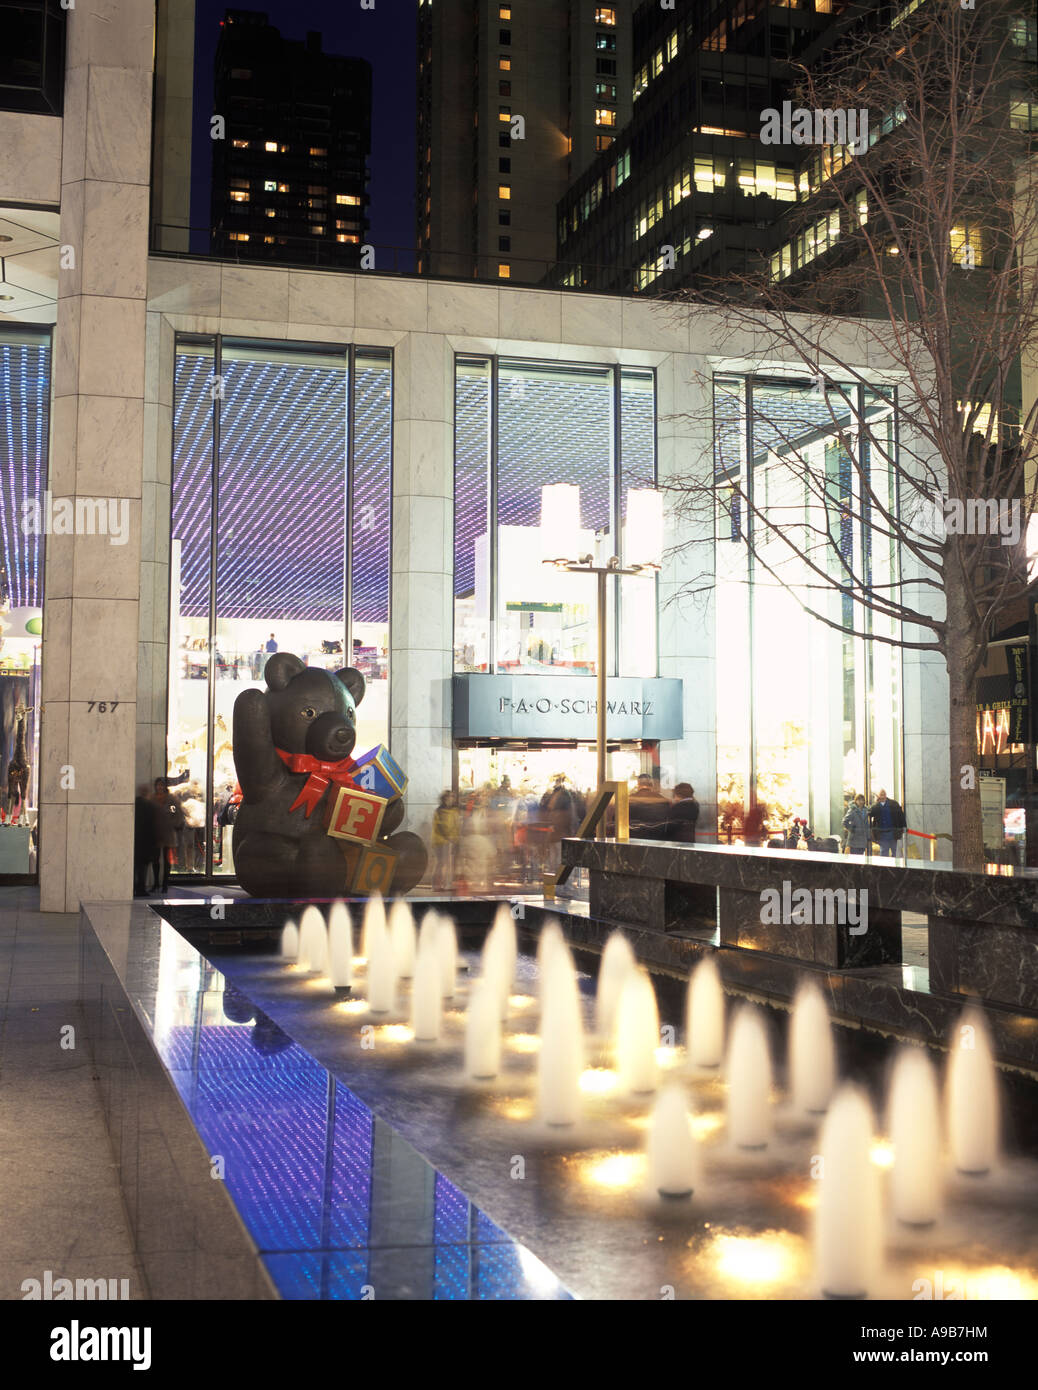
(917, 256)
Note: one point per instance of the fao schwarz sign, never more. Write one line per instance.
(564, 707)
(544, 705)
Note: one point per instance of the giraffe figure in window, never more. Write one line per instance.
(18, 768)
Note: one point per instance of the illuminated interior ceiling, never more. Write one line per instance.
(28, 265)
(281, 529)
(554, 425)
(24, 426)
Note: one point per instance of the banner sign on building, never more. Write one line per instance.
(565, 707)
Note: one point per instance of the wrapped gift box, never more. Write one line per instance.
(377, 773)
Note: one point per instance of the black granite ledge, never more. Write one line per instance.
(932, 889)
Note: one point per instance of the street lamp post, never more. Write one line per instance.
(560, 546)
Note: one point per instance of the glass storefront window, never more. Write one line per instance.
(472, 434)
(555, 425)
(25, 369)
(520, 426)
(300, 537)
(808, 712)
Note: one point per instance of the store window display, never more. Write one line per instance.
(281, 525)
(25, 365)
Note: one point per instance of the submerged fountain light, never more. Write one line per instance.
(848, 1216)
(340, 946)
(812, 1059)
(672, 1151)
(290, 942)
(402, 936)
(972, 1097)
(618, 961)
(373, 921)
(313, 941)
(704, 1015)
(749, 1081)
(483, 1032)
(915, 1133)
(637, 1034)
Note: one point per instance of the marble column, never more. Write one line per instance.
(421, 611)
(92, 580)
(686, 621)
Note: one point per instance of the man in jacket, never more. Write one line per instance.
(888, 823)
(684, 812)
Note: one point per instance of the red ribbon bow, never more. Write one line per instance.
(320, 774)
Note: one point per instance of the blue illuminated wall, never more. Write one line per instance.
(25, 365)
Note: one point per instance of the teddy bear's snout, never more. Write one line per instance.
(329, 736)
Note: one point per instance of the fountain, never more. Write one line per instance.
(403, 938)
(972, 1097)
(447, 951)
(374, 920)
(617, 963)
(290, 942)
(637, 1034)
(340, 946)
(749, 1080)
(561, 1058)
(812, 1059)
(381, 974)
(704, 1015)
(427, 990)
(915, 1132)
(427, 932)
(549, 940)
(848, 1216)
(313, 941)
(497, 966)
(672, 1150)
(483, 1032)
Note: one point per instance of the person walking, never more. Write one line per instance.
(684, 813)
(887, 819)
(856, 827)
(169, 822)
(446, 829)
(145, 841)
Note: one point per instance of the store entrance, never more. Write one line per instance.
(517, 801)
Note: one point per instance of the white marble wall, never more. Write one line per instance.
(92, 587)
(30, 158)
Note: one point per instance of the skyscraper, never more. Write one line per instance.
(514, 102)
(290, 167)
(687, 186)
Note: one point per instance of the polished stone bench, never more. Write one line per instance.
(982, 928)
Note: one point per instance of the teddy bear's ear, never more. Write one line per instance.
(353, 681)
(280, 669)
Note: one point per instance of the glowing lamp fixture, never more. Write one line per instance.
(643, 542)
(560, 523)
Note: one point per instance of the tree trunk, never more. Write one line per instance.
(963, 643)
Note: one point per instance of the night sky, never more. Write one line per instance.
(385, 36)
